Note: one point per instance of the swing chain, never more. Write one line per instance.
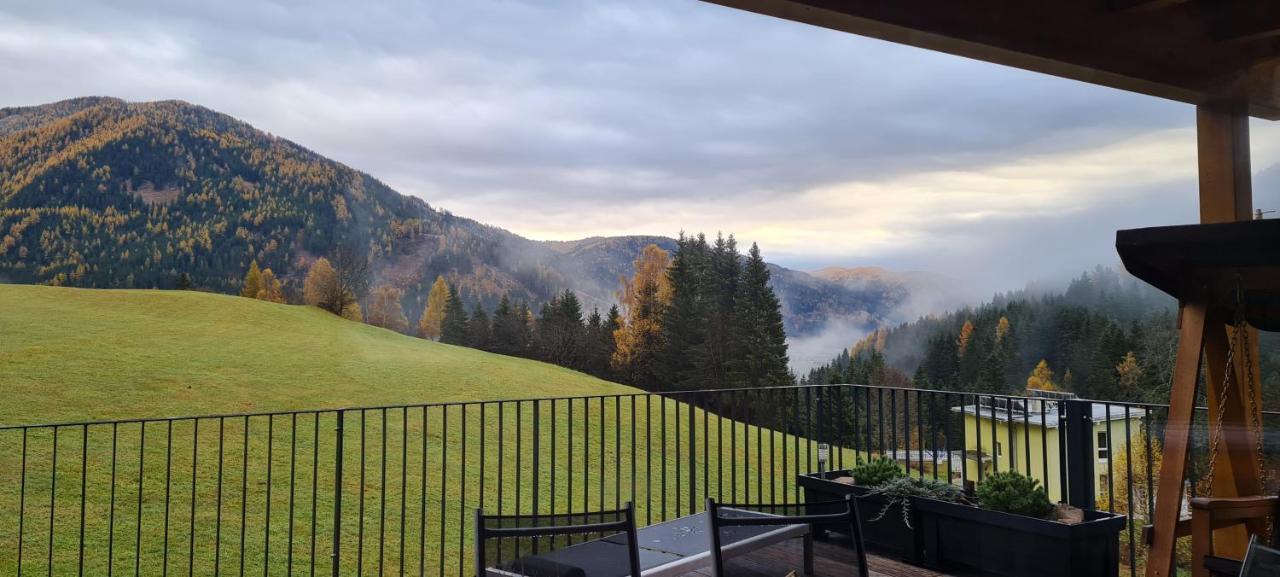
(1255, 412)
(1221, 399)
(1240, 342)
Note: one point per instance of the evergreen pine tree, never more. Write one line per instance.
(506, 329)
(596, 360)
(538, 347)
(759, 341)
(560, 331)
(607, 342)
(455, 329)
(684, 322)
(721, 294)
(479, 329)
(524, 330)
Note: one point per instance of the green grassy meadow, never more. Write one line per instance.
(196, 498)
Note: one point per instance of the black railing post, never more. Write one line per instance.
(1078, 428)
(693, 456)
(337, 491)
(537, 452)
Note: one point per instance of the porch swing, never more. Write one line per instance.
(1217, 272)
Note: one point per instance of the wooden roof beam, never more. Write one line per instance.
(1172, 52)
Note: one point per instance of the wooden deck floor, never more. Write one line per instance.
(830, 559)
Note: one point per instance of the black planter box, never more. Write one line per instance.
(963, 537)
(888, 536)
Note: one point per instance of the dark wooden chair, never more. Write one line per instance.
(1212, 513)
(591, 544)
(1260, 561)
(844, 512)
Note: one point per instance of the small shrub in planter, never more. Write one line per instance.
(1012, 492)
(876, 472)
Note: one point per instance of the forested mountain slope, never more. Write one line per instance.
(1106, 336)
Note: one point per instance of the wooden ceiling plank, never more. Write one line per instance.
(1139, 5)
(1235, 22)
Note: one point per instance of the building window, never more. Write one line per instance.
(1104, 448)
(999, 449)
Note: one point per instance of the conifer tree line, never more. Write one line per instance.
(1106, 337)
(559, 333)
(703, 317)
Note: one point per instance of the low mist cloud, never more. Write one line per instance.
(811, 351)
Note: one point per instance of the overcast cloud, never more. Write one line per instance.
(564, 119)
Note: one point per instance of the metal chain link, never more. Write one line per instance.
(1240, 341)
(1255, 412)
(1221, 399)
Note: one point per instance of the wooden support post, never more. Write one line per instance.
(1177, 437)
(1226, 195)
(1222, 138)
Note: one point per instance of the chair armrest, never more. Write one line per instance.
(1261, 502)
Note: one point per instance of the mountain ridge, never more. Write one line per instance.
(98, 191)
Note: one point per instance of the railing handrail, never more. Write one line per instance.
(664, 393)
(432, 404)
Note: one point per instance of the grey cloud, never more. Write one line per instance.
(578, 106)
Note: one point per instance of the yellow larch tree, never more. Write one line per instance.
(643, 298)
(433, 314)
(1002, 329)
(252, 281)
(270, 288)
(323, 289)
(385, 310)
(1041, 378)
(962, 342)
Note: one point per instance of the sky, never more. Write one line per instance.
(560, 119)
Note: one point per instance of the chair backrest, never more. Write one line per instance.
(589, 544)
(841, 515)
(1260, 560)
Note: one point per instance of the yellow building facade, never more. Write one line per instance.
(1025, 435)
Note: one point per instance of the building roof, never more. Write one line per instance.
(1046, 412)
(1193, 51)
(938, 457)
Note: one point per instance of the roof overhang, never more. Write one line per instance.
(1202, 52)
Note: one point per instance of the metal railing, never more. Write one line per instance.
(389, 490)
